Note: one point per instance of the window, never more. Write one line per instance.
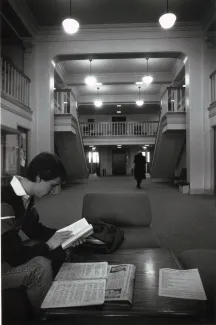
(93, 157)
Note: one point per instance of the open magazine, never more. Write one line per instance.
(87, 284)
(120, 284)
(80, 228)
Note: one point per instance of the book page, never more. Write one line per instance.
(75, 293)
(76, 271)
(185, 284)
(120, 282)
(80, 228)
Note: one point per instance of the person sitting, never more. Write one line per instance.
(33, 265)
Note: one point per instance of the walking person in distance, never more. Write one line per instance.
(139, 168)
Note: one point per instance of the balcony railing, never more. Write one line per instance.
(62, 101)
(14, 82)
(176, 99)
(213, 87)
(119, 129)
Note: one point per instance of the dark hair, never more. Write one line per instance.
(47, 166)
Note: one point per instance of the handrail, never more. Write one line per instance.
(15, 67)
(212, 74)
(14, 82)
(132, 128)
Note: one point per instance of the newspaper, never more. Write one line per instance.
(75, 293)
(77, 271)
(185, 284)
(120, 283)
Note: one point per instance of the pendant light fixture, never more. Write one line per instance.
(139, 102)
(70, 25)
(167, 20)
(147, 79)
(98, 102)
(90, 80)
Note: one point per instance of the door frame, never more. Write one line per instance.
(123, 151)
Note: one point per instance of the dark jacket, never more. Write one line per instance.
(139, 169)
(14, 251)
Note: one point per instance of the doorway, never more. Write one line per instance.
(118, 162)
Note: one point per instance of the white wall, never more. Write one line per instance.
(15, 52)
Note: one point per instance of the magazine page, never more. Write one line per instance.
(75, 293)
(78, 271)
(120, 282)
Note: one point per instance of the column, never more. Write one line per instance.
(194, 123)
(42, 100)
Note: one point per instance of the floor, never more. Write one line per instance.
(180, 221)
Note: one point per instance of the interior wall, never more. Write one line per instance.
(108, 118)
(14, 50)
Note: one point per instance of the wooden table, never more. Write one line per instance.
(148, 307)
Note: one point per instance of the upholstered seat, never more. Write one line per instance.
(130, 211)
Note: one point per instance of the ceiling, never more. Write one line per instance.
(118, 77)
(136, 65)
(88, 12)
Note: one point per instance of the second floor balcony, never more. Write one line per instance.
(119, 129)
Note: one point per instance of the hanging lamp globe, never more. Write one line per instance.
(70, 25)
(167, 20)
(147, 79)
(98, 103)
(139, 102)
(90, 81)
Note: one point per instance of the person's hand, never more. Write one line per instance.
(58, 238)
(78, 242)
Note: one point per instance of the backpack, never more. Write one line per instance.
(106, 238)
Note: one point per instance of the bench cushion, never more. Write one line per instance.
(118, 208)
(139, 237)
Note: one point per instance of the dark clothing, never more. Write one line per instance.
(14, 250)
(139, 169)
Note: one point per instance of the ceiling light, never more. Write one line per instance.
(99, 84)
(118, 112)
(167, 20)
(90, 80)
(139, 102)
(65, 102)
(119, 105)
(139, 83)
(172, 100)
(98, 102)
(147, 79)
(70, 25)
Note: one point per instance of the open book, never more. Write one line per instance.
(80, 228)
(86, 284)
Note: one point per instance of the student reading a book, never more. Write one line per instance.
(45, 255)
